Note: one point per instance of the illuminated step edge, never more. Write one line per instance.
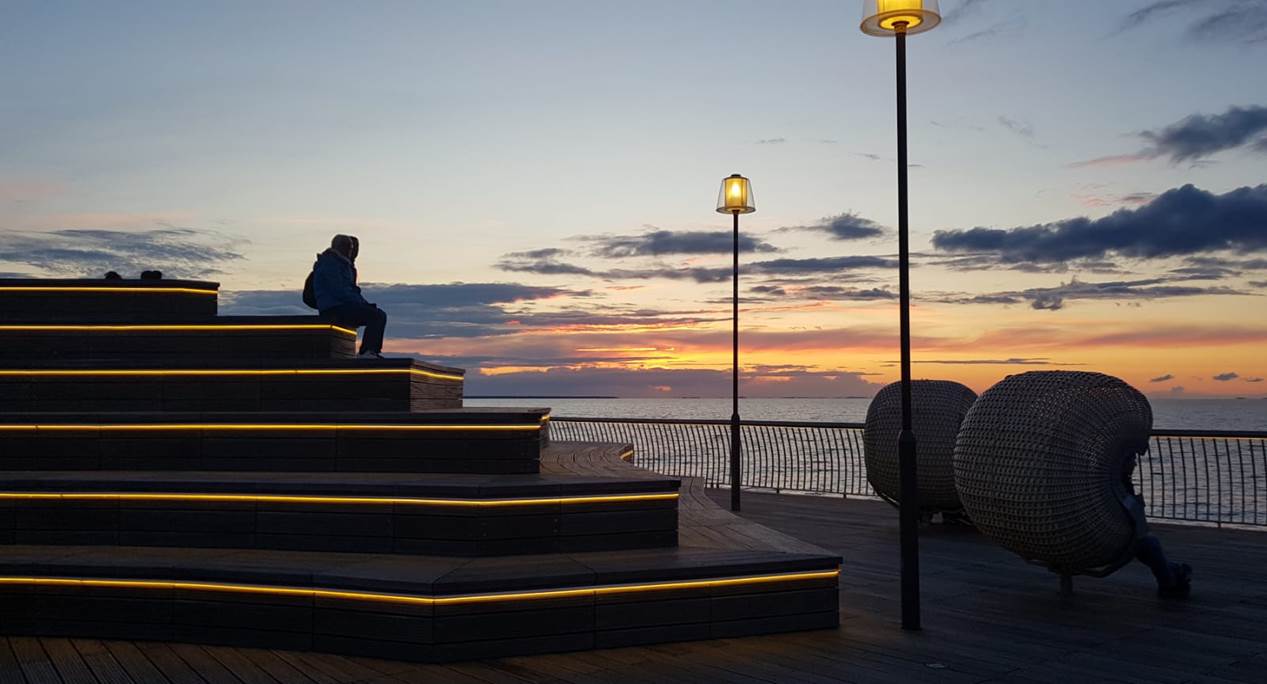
(219, 372)
(421, 599)
(176, 327)
(336, 500)
(112, 290)
(261, 427)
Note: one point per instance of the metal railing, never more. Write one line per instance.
(1217, 477)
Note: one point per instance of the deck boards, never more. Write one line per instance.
(988, 617)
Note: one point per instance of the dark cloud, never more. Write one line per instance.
(1163, 378)
(1242, 21)
(846, 226)
(1180, 222)
(1197, 137)
(661, 243)
(1055, 298)
(1253, 379)
(835, 292)
(1258, 283)
(178, 252)
(1200, 136)
(701, 274)
(771, 141)
(433, 310)
(1226, 377)
(547, 253)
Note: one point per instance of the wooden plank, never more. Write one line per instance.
(10, 668)
(103, 665)
(175, 669)
(34, 661)
(135, 663)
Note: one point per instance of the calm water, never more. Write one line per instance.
(1192, 414)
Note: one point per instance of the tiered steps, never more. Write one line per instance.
(87, 300)
(166, 473)
(228, 385)
(459, 515)
(443, 441)
(423, 608)
(222, 337)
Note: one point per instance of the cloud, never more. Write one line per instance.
(438, 310)
(846, 226)
(1183, 221)
(964, 9)
(1226, 377)
(1253, 379)
(1199, 136)
(1196, 138)
(1178, 389)
(652, 382)
(1021, 128)
(771, 141)
(1055, 298)
(1241, 21)
(661, 243)
(703, 274)
(991, 362)
(1163, 378)
(178, 252)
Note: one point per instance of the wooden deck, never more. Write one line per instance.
(988, 617)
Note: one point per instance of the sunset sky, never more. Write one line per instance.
(533, 183)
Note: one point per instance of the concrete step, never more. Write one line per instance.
(480, 440)
(424, 608)
(79, 300)
(220, 337)
(465, 515)
(398, 384)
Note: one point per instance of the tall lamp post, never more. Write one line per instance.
(735, 198)
(897, 19)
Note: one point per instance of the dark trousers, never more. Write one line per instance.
(357, 315)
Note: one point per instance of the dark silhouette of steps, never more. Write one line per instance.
(184, 385)
(146, 493)
(459, 515)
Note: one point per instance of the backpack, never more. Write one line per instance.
(310, 297)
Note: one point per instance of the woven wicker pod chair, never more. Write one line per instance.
(1039, 464)
(937, 409)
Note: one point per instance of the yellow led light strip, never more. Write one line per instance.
(208, 372)
(243, 427)
(314, 593)
(139, 290)
(218, 327)
(302, 499)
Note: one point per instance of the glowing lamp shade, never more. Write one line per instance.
(888, 17)
(735, 196)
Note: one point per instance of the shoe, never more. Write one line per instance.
(370, 355)
(1181, 588)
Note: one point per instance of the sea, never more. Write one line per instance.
(1178, 414)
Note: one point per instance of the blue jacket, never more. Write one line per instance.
(334, 281)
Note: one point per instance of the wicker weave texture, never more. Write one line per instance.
(1039, 464)
(937, 409)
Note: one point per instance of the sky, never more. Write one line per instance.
(534, 184)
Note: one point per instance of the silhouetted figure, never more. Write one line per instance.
(151, 275)
(1174, 580)
(337, 297)
(113, 275)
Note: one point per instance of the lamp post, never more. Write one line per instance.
(735, 198)
(898, 18)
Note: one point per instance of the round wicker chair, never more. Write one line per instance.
(937, 409)
(1040, 462)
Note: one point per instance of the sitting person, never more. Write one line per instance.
(1174, 580)
(339, 299)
